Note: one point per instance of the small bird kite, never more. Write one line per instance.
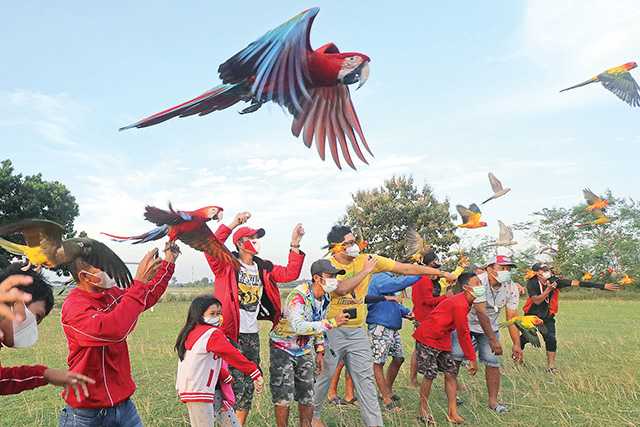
(45, 248)
(282, 67)
(189, 227)
(529, 274)
(529, 326)
(496, 186)
(601, 219)
(470, 216)
(505, 237)
(594, 201)
(626, 280)
(619, 81)
(586, 276)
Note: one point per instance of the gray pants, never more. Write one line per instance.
(352, 346)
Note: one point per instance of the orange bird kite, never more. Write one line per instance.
(601, 219)
(593, 201)
(619, 81)
(470, 216)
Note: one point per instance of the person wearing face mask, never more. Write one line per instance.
(544, 292)
(298, 339)
(97, 318)
(433, 350)
(250, 293)
(384, 321)
(499, 292)
(203, 379)
(18, 328)
(352, 338)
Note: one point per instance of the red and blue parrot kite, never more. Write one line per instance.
(189, 227)
(282, 67)
(619, 81)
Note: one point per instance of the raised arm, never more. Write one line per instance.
(416, 269)
(348, 285)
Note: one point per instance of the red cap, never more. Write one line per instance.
(501, 260)
(247, 232)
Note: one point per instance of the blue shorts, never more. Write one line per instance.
(480, 344)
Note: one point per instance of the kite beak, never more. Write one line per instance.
(364, 74)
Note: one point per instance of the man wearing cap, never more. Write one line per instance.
(544, 291)
(249, 294)
(350, 343)
(298, 339)
(500, 292)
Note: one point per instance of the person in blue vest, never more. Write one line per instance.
(384, 321)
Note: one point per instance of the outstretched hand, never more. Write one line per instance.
(148, 266)
(70, 381)
(239, 219)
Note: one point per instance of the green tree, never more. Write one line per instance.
(606, 251)
(32, 197)
(382, 216)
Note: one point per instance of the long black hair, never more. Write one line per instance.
(198, 306)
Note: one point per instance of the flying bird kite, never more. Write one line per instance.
(586, 276)
(529, 326)
(312, 84)
(189, 227)
(45, 248)
(470, 216)
(601, 219)
(496, 186)
(594, 201)
(416, 246)
(505, 238)
(619, 81)
(626, 280)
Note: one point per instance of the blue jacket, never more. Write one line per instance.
(388, 313)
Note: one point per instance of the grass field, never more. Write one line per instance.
(598, 384)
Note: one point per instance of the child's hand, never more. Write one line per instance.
(258, 384)
(472, 368)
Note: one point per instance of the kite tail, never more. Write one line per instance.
(155, 234)
(12, 248)
(592, 80)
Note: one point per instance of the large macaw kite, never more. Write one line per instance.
(282, 67)
(619, 81)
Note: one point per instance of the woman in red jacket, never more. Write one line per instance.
(250, 294)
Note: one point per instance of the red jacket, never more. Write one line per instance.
(16, 379)
(423, 299)
(436, 330)
(226, 286)
(96, 326)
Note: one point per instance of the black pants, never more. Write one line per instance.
(549, 335)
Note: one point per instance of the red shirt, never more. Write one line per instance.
(16, 379)
(96, 326)
(423, 299)
(436, 330)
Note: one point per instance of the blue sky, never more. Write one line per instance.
(454, 92)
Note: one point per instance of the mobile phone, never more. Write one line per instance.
(351, 312)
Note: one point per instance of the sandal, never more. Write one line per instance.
(500, 409)
(338, 401)
(552, 371)
(395, 397)
(428, 420)
(392, 407)
(351, 402)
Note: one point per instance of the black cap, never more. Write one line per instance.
(539, 266)
(324, 266)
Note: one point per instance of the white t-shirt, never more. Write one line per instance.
(249, 294)
(506, 295)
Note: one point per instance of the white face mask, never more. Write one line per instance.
(330, 285)
(25, 333)
(504, 276)
(484, 278)
(213, 320)
(353, 251)
(106, 282)
(546, 274)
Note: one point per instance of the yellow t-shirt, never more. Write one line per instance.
(356, 298)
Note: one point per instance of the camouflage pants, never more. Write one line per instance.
(291, 377)
(249, 346)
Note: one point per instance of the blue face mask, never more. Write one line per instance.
(504, 276)
(478, 292)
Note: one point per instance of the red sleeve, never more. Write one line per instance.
(222, 234)
(93, 328)
(225, 376)
(461, 322)
(220, 345)
(159, 283)
(291, 272)
(422, 294)
(16, 379)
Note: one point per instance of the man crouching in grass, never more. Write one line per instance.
(433, 346)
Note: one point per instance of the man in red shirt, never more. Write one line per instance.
(96, 319)
(433, 351)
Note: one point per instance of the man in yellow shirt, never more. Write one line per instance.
(350, 343)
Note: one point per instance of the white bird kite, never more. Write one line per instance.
(496, 186)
